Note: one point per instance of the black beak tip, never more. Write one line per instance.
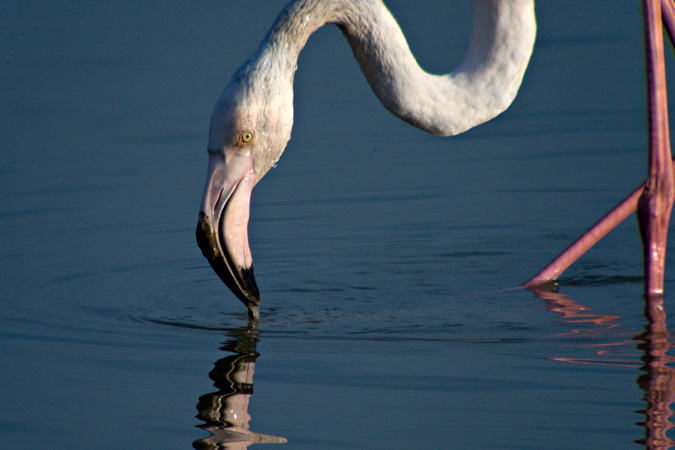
(253, 312)
(249, 293)
(244, 286)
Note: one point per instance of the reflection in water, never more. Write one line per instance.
(225, 412)
(657, 381)
(607, 353)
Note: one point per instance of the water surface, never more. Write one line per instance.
(386, 257)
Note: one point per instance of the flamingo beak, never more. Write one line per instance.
(222, 230)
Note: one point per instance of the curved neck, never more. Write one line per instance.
(483, 86)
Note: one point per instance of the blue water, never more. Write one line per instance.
(386, 257)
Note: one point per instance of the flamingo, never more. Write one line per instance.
(251, 122)
(653, 199)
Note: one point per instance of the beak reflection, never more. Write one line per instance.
(225, 412)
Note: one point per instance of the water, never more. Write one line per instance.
(385, 256)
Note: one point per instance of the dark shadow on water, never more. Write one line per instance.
(225, 411)
(589, 280)
(657, 380)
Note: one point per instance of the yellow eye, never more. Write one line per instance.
(246, 137)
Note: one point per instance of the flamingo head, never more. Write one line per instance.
(250, 127)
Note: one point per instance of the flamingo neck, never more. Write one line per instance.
(483, 86)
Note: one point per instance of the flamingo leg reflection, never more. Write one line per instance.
(658, 380)
(613, 346)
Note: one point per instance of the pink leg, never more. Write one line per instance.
(668, 13)
(656, 202)
(629, 204)
(587, 240)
